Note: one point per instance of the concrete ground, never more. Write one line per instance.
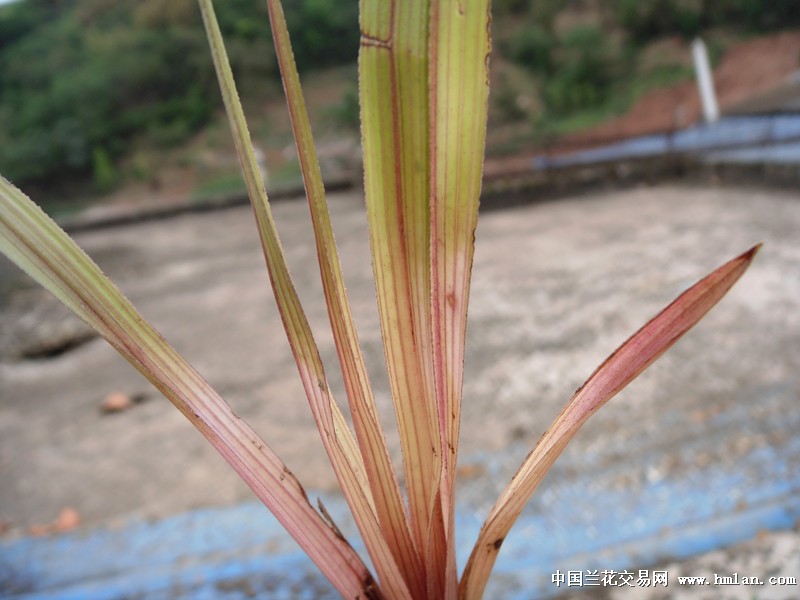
(556, 287)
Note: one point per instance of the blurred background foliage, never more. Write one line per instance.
(80, 79)
(85, 84)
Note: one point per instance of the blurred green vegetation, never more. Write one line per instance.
(587, 57)
(644, 20)
(85, 84)
(586, 65)
(80, 80)
(221, 185)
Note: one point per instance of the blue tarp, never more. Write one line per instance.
(774, 138)
(574, 522)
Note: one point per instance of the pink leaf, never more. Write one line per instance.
(617, 371)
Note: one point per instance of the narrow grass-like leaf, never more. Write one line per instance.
(619, 369)
(383, 481)
(336, 436)
(459, 84)
(393, 86)
(35, 243)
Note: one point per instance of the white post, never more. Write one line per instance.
(705, 82)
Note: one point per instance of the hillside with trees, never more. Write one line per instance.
(90, 90)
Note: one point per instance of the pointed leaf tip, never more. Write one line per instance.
(751, 254)
(662, 331)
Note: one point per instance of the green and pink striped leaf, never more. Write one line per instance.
(337, 437)
(382, 479)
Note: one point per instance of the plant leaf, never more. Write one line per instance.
(424, 87)
(393, 87)
(459, 83)
(336, 436)
(382, 479)
(35, 243)
(617, 371)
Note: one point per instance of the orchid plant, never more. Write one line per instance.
(423, 73)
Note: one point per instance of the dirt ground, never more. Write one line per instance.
(556, 287)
